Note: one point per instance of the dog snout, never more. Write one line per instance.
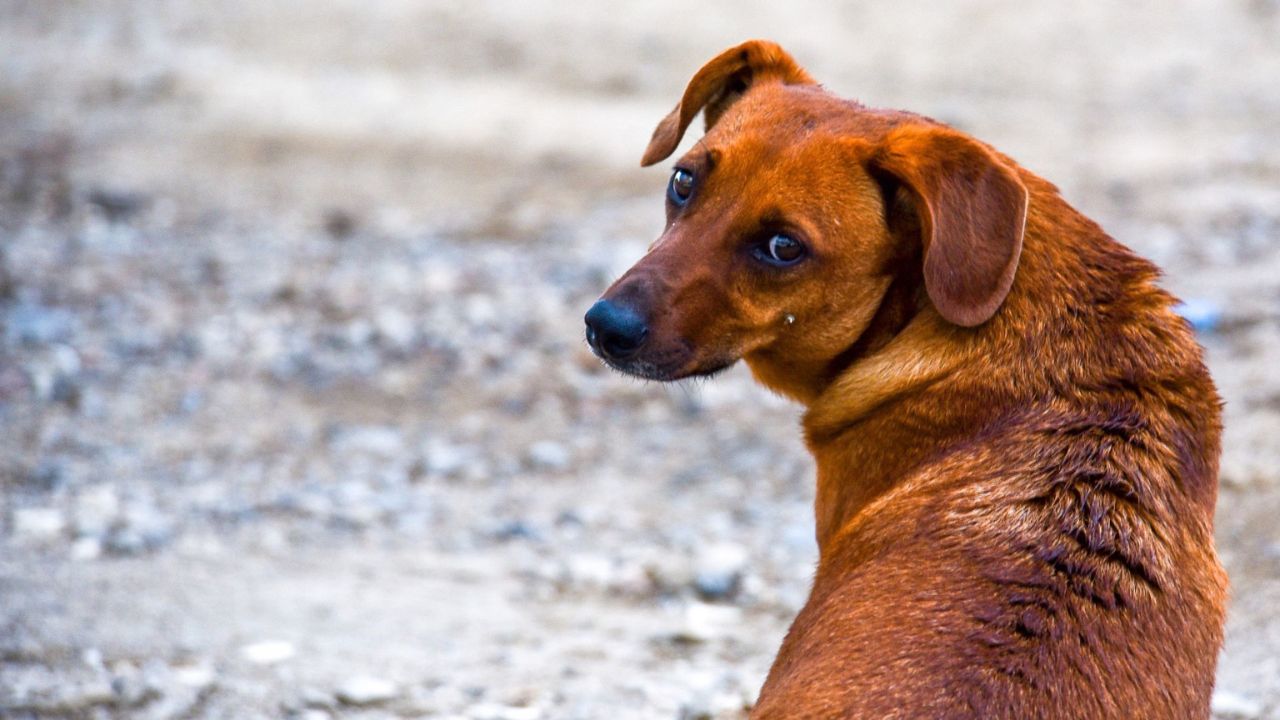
(615, 331)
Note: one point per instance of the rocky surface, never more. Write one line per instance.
(295, 414)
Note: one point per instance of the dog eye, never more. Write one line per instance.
(681, 186)
(781, 250)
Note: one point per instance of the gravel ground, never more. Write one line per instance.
(295, 415)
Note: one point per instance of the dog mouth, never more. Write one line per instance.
(670, 366)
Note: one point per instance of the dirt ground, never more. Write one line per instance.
(295, 415)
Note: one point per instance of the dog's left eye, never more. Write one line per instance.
(680, 187)
(781, 250)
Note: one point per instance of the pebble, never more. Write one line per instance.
(80, 697)
(85, 549)
(194, 676)
(516, 529)
(29, 322)
(718, 570)
(1203, 314)
(670, 572)
(363, 690)
(548, 455)
(378, 441)
(92, 658)
(445, 459)
(143, 531)
(704, 622)
(56, 377)
(395, 328)
(491, 711)
(96, 510)
(354, 503)
(180, 703)
(710, 697)
(268, 652)
(38, 525)
(117, 205)
(313, 697)
(799, 539)
(1230, 704)
(590, 571)
(133, 688)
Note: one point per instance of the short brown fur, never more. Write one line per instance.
(1016, 438)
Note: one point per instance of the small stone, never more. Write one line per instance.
(268, 652)
(569, 519)
(38, 524)
(83, 696)
(37, 324)
(378, 441)
(175, 705)
(339, 224)
(713, 696)
(707, 704)
(66, 390)
(194, 676)
(492, 711)
(630, 578)
(191, 401)
(132, 689)
(363, 690)
(718, 570)
(96, 509)
(697, 707)
(395, 328)
(1204, 315)
(86, 548)
(670, 573)
(703, 622)
(548, 455)
(800, 540)
(117, 205)
(446, 460)
(47, 476)
(142, 528)
(1230, 704)
(124, 542)
(315, 698)
(449, 698)
(516, 529)
(359, 332)
(590, 571)
(354, 503)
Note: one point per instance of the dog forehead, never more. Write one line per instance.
(777, 119)
(779, 110)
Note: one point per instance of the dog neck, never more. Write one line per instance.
(922, 353)
(862, 429)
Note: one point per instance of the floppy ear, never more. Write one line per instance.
(718, 84)
(972, 212)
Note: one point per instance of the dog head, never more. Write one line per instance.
(789, 222)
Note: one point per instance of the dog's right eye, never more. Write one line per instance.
(680, 187)
(780, 251)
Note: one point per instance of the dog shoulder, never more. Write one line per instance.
(1040, 558)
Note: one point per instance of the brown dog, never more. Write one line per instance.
(1016, 437)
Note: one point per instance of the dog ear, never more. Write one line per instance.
(717, 85)
(972, 212)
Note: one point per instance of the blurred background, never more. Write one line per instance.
(295, 415)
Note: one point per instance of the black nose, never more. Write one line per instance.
(615, 332)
